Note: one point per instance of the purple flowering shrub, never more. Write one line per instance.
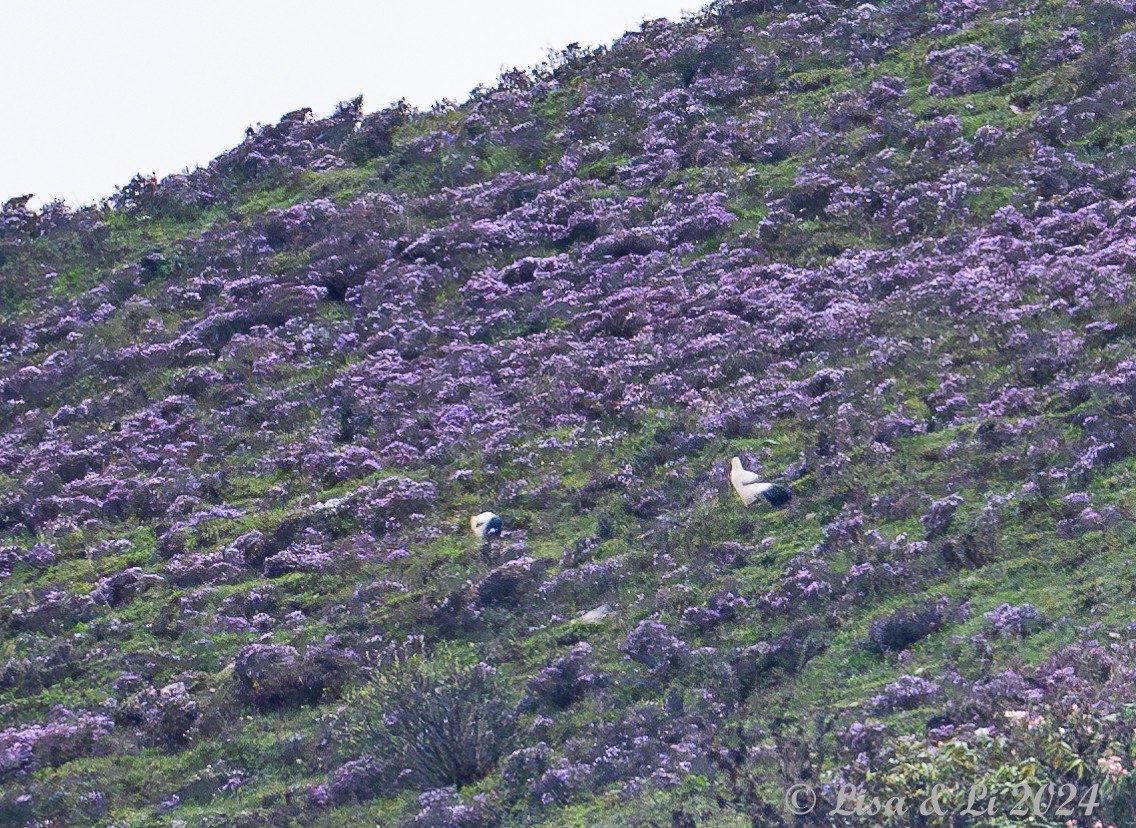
(272, 676)
(1075, 709)
(1010, 620)
(903, 694)
(357, 780)
(898, 630)
(589, 581)
(566, 680)
(510, 583)
(938, 520)
(124, 586)
(443, 807)
(651, 645)
(807, 582)
(169, 716)
(65, 736)
(966, 69)
(722, 608)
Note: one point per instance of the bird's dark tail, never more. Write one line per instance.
(778, 496)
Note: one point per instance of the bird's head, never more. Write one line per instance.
(735, 463)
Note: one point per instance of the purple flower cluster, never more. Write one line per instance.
(722, 608)
(444, 808)
(938, 520)
(274, 676)
(65, 736)
(904, 694)
(567, 679)
(966, 69)
(652, 645)
(1010, 620)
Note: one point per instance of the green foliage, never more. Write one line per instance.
(447, 718)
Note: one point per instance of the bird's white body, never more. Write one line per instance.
(747, 484)
(485, 525)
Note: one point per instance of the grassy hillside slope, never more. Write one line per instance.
(884, 253)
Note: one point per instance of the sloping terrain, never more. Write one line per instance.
(883, 253)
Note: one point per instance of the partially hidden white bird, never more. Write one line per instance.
(595, 616)
(749, 486)
(485, 526)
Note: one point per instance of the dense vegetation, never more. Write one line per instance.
(884, 253)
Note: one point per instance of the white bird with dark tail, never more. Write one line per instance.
(485, 526)
(749, 486)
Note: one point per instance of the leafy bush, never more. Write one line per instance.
(900, 629)
(566, 680)
(273, 676)
(652, 645)
(359, 779)
(444, 720)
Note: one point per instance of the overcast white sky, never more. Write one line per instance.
(93, 92)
